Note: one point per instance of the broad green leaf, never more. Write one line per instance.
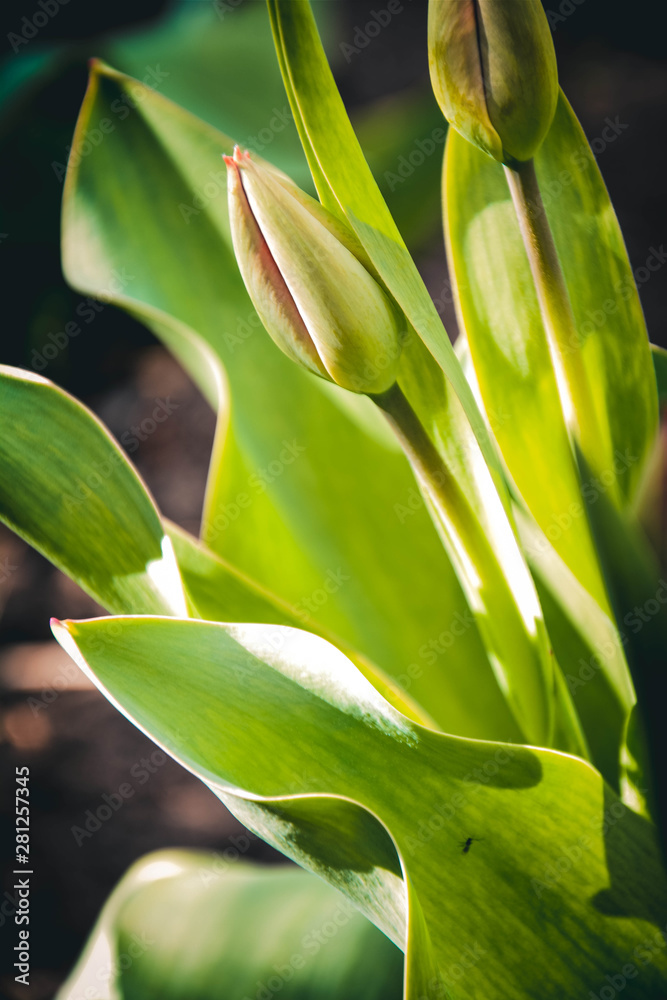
(67, 488)
(200, 926)
(348, 542)
(217, 591)
(482, 544)
(499, 311)
(220, 592)
(85, 508)
(561, 886)
(605, 301)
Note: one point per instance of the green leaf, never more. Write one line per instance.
(499, 311)
(285, 730)
(499, 587)
(615, 347)
(186, 925)
(220, 592)
(68, 489)
(348, 543)
(217, 591)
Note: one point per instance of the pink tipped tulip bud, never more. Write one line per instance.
(305, 273)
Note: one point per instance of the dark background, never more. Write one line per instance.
(612, 65)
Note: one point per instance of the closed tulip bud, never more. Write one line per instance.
(494, 74)
(310, 281)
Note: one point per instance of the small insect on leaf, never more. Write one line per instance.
(466, 844)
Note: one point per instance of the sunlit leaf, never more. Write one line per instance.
(293, 739)
(68, 489)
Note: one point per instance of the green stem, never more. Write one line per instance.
(562, 335)
(472, 552)
(436, 478)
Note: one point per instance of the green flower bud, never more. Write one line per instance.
(494, 74)
(310, 281)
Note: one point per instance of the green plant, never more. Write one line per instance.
(353, 743)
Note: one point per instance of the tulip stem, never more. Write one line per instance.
(432, 472)
(562, 336)
(475, 559)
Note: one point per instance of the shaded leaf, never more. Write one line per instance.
(186, 925)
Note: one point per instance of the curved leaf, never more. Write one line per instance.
(68, 489)
(499, 311)
(280, 724)
(186, 925)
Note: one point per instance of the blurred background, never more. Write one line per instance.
(216, 59)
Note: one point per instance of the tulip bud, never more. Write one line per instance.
(310, 281)
(494, 74)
